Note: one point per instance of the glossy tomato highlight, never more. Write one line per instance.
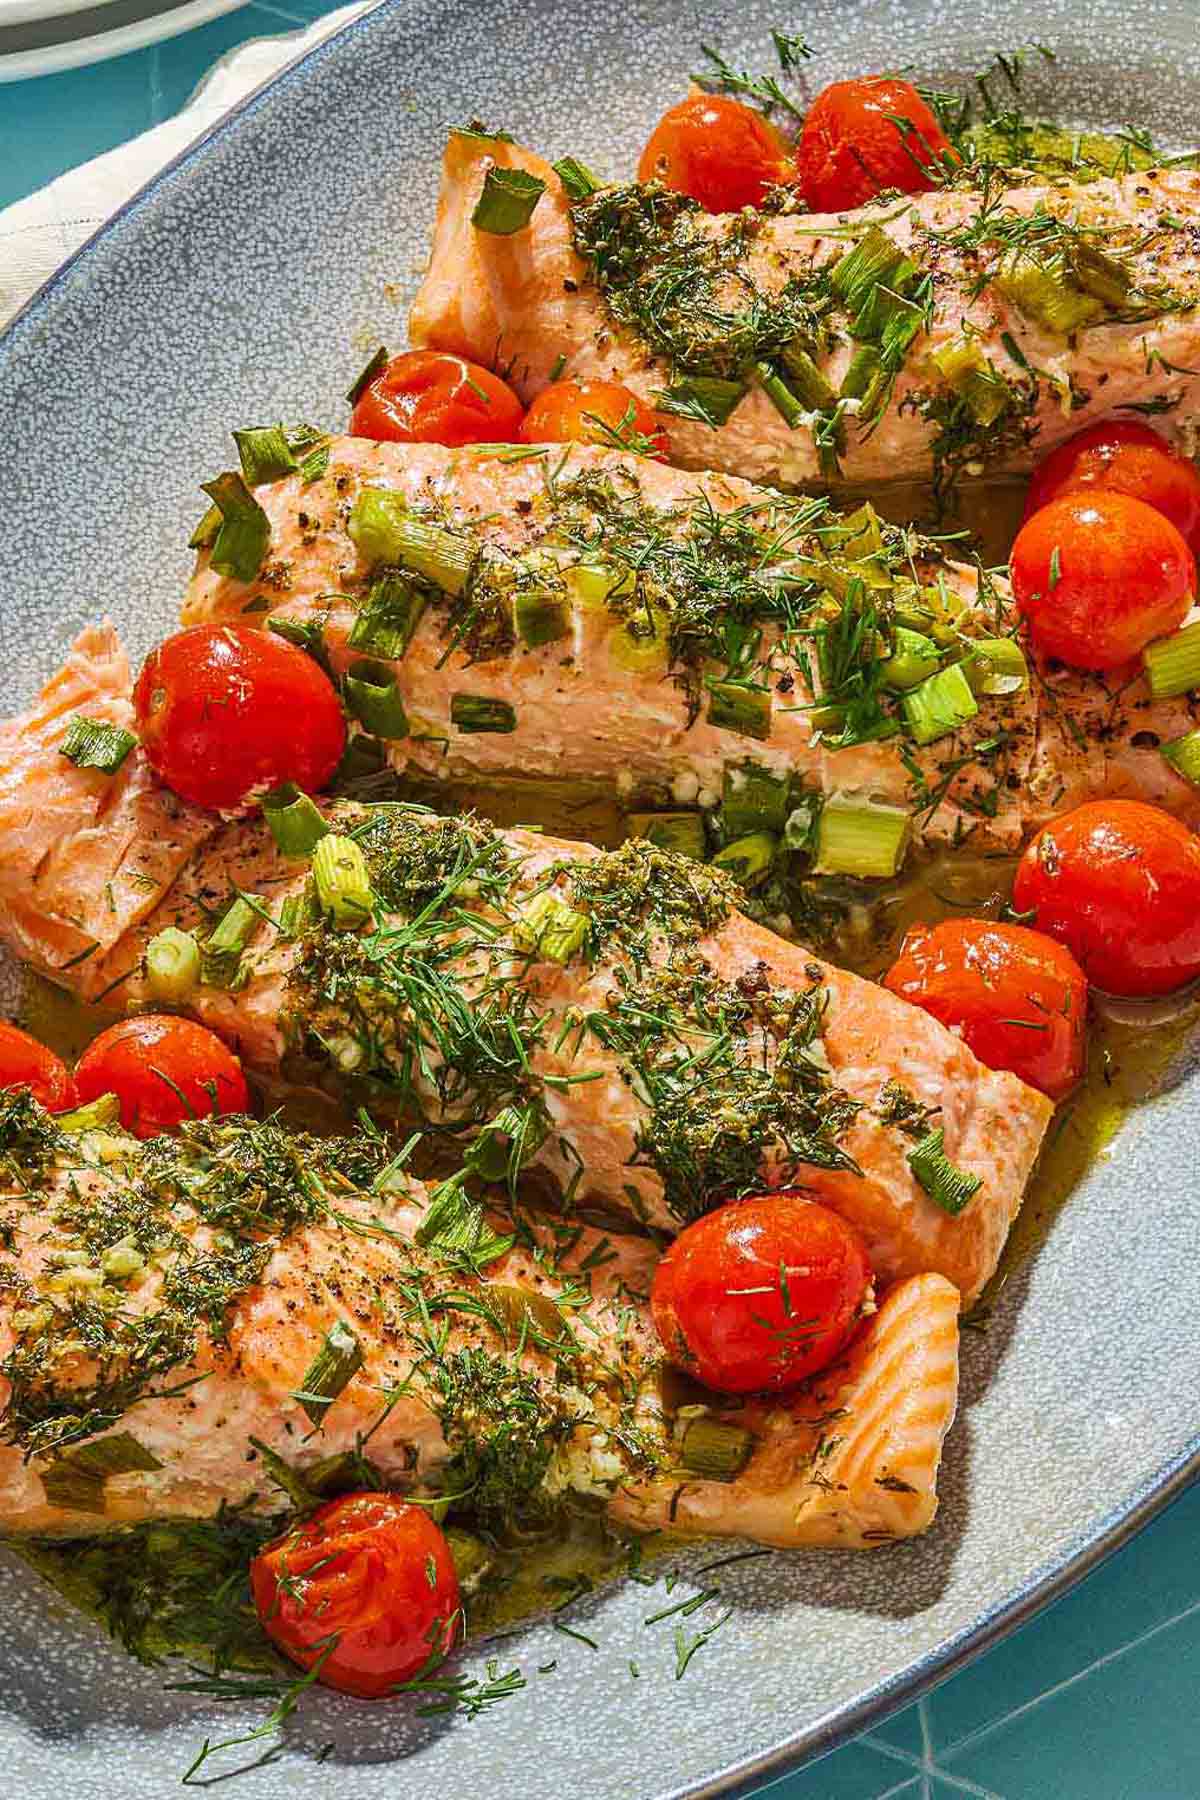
(595, 412)
(723, 154)
(1124, 456)
(164, 1071)
(434, 397)
(24, 1063)
(851, 147)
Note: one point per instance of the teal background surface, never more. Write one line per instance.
(1096, 1698)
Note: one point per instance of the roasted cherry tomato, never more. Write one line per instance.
(594, 412)
(164, 1071)
(761, 1293)
(24, 1063)
(1124, 456)
(724, 154)
(852, 148)
(1015, 997)
(432, 397)
(227, 711)
(1118, 883)
(1098, 575)
(366, 1587)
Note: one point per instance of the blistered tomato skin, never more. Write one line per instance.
(24, 1063)
(577, 412)
(164, 1071)
(1098, 575)
(723, 154)
(366, 1587)
(851, 147)
(761, 1293)
(1016, 997)
(434, 397)
(1118, 882)
(226, 712)
(1123, 456)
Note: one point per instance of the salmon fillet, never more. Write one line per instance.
(700, 556)
(661, 1051)
(162, 1304)
(682, 284)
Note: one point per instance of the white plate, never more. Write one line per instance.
(41, 37)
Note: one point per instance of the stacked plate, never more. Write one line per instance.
(40, 37)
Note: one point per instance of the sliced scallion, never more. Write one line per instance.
(479, 712)
(706, 399)
(541, 616)
(387, 622)
(873, 258)
(76, 1480)
(385, 531)
(752, 799)
(294, 820)
(996, 666)
(298, 912)
(790, 409)
(1104, 277)
(455, 1226)
(306, 634)
(172, 964)
(96, 744)
(265, 453)
(577, 178)
(644, 651)
(1045, 294)
(550, 929)
(939, 705)
(748, 859)
(525, 1312)
(860, 837)
(682, 832)
(714, 1449)
(861, 371)
(95, 1115)
(914, 657)
(1172, 663)
(342, 881)
(206, 530)
(732, 706)
(241, 541)
(947, 1186)
(335, 1365)
(963, 367)
(374, 698)
(507, 1142)
(221, 954)
(805, 379)
(506, 201)
(1183, 754)
(376, 366)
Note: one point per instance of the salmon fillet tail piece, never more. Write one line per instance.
(609, 1016)
(163, 1305)
(996, 365)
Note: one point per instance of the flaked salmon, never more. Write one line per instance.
(975, 330)
(608, 1016)
(163, 1308)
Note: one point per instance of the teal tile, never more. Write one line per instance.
(51, 124)
(941, 1787)
(903, 1730)
(184, 59)
(1124, 1731)
(855, 1772)
(1152, 1579)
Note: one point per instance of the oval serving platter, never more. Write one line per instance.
(246, 283)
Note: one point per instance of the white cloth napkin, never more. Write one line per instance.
(39, 233)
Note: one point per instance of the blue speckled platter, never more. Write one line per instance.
(246, 284)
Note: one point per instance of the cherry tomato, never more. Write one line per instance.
(576, 412)
(366, 1586)
(851, 147)
(227, 711)
(1118, 883)
(761, 1293)
(1015, 997)
(24, 1063)
(1098, 575)
(1124, 456)
(432, 397)
(164, 1071)
(724, 154)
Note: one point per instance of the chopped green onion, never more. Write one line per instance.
(873, 259)
(265, 453)
(550, 929)
(298, 912)
(734, 707)
(682, 832)
(862, 370)
(577, 178)
(221, 955)
(387, 622)
(790, 409)
(343, 883)
(477, 712)
(294, 820)
(386, 531)
(96, 744)
(963, 367)
(748, 859)
(860, 837)
(1172, 663)
(1183, 754)
(996, 666)
(913, 658)
(1044, 294)
(95, 1115)
(706, 399)
(594, 583)
(307, 635)
(643, 652)
(206, 530)
(335, 1365)
(715, 1450)
(805, 379)
(1104, 277)
(752, 799)
(376, 366)
(172, 964)
(245, 530)
(374, 698)
(939, 705)
(947, 1186)
(455, 1225)
(506, 201)
(886, 302)
(314, 464)
(525, 1310)
(76, 1480)
(507, 1142)
(364, 768)
(541, 616)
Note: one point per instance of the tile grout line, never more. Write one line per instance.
(280, 12)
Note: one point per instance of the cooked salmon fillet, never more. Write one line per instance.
(162, 1306)
(677, 288)
(657, 1050)
(698, 556)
